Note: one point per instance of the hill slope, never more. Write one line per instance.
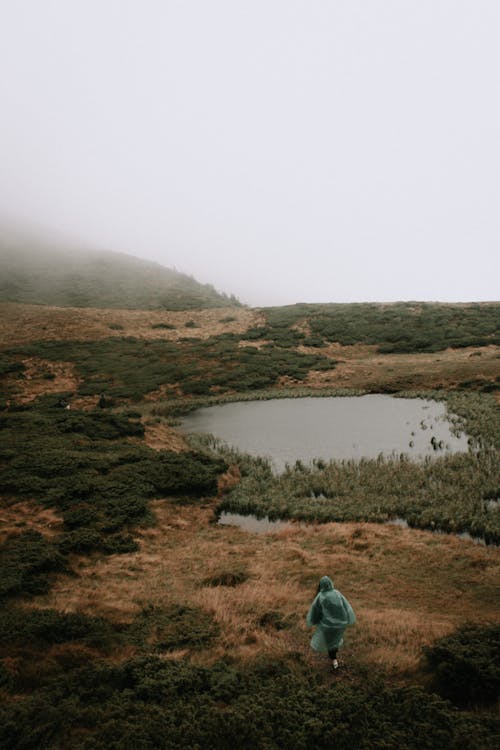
(39, 271)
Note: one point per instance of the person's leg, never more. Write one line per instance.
(332, 653)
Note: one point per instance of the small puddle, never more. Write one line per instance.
(252, 523)
(403, 523)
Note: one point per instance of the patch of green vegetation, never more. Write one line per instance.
(152, 703)
(402, 327)
(35, 644)
(40, 628)
(27, 561)
(480, 384)
(9, 365)
(176, 627)
(466, 665)
(279, 334)
(128, 368)
(82, 464)
(166, 326)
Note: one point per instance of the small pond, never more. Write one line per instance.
(290, 429)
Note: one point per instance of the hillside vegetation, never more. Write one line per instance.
(129, 619)
(35, 271)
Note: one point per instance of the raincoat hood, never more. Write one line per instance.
(326, 584)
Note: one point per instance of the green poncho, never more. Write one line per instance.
(331, 613)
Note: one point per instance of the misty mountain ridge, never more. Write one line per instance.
(35, 269)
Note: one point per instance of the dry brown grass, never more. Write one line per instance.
(16, 517)
(22, 323)
(160, 436)
(361, 366)
(41, 376)
(407, 587)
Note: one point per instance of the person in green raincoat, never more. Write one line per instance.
(331, 613)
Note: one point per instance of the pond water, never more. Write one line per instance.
(290, 429)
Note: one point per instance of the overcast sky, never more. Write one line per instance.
(282, 150)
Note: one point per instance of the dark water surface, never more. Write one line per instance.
(289, 429)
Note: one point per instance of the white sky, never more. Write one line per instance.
(282, 150)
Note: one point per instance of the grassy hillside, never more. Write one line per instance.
(36, 271)
(128, 618)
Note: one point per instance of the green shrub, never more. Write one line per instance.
(81, 464)
(119, 544)
(9, 365)
(127, 368)
(176, 627)
(402, 327)
(26, 563)
(81, 541)
(44, 627)
(168, 704)
(466, 665)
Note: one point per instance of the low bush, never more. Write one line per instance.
(401, 327)
(466, 665)
(176, 627)
(162, 704)
(27, 561)
(127, 368)
(81, 464)
(45, 627)
(10, 365)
